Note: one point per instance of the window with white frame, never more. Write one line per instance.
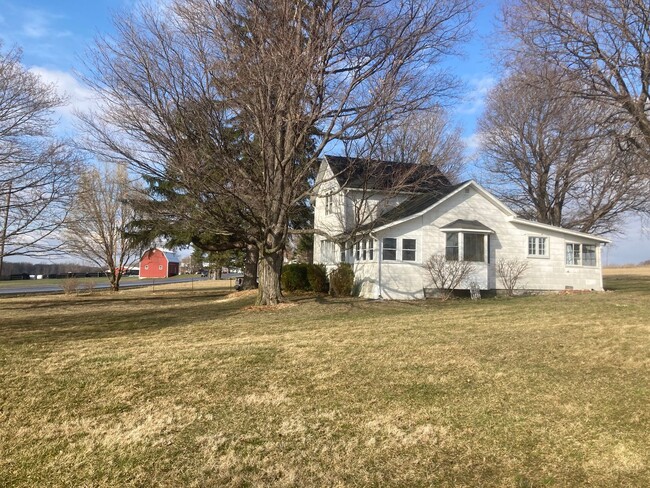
(573, 254)
(467, 246)
(371, 249)
(408, 249)
(329, 203)
(589, 255)
(474, 247)
(451, 248)
(326, 251)
(389, 251)
(343, 254)
(537, 246)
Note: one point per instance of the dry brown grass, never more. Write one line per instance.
(182, 388)
(627, 270)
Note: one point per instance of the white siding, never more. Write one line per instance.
(400, 279)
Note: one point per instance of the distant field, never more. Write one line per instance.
(627, 270)
(196, 387)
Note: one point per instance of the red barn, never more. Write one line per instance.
(156, 263)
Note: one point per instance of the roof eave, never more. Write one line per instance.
(445, 198)
(555, 228)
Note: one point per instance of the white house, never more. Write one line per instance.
(387, 234)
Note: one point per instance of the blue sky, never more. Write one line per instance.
(55, 34)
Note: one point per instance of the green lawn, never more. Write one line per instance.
(184, 388)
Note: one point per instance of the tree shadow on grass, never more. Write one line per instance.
(98, 318)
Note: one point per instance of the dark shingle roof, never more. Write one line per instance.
(386, 175)
(414, 205)
(467, 225)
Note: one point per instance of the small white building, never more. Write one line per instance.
(387, 234)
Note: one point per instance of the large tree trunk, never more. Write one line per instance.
(114, 280)
(250, 267)
(270, 270)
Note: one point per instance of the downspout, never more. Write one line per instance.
(600, 262)
(379, 254)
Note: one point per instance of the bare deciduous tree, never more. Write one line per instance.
(510, 271)
(289, 77)
(100, 216)
(37, 172)
(447, 275)
(604, 43)
(420, 138)
(552, 156)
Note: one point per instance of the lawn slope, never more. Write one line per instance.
(199, 388)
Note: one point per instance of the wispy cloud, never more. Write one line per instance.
(474, 101)
(78, 97)
(39, 24)
(473, 142)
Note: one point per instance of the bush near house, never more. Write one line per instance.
(294, 277)
(304, 277)
(342, 280)
(317, 277)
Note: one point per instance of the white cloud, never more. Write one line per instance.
(38, 25)
(473, 142)
(474, 101)
(78, 97)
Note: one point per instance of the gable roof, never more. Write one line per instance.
(467, 225)
(421, 204)
(413, 206)
(374, 174)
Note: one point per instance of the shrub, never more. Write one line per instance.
(294, 277)
(342, 280)
(88, 287)
(317, 277)
(70, 285)
(447, 275)
(510, 272)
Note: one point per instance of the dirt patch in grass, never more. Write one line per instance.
(187, 388)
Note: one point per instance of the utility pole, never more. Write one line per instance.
(4, 229)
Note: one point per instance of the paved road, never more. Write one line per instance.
(19, 288)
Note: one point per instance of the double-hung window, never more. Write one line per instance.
(537, 246)
(473, 247)
(573, 254)
(581, 254)
(389, 251)
(588, 255)
(329, 203)
(408, 249)
(451, 249)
